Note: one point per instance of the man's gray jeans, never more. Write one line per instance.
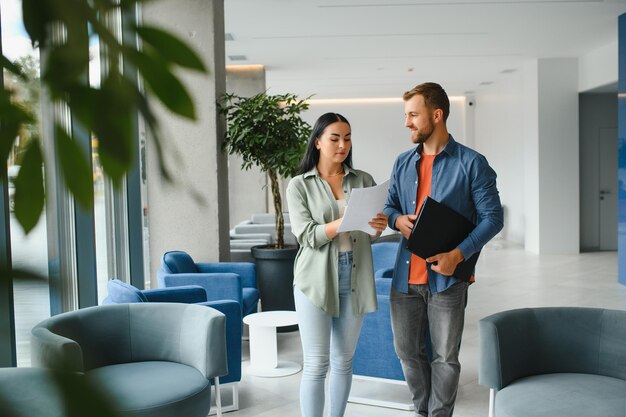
(433, 383)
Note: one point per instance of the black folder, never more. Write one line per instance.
(440, 229)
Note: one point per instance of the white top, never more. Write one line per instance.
(271, 319)
(344, 239)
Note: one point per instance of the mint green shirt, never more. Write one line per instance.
(311, 206)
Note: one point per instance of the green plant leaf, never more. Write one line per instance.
(66, 65)
(157, 139)
(171, 48)
(83, 102)
(126, 4)
(164, 84)
(36, 15)
(75, 168)
(266, 131)
(81, 396)
(29, 189)
(13, 117)
(104, 4)
(114, 127)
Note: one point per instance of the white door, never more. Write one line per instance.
(608, 188)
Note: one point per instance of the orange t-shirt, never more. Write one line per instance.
(418, 274)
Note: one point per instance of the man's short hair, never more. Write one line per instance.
(435, 97)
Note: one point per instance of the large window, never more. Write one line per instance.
(73, 251)
(29, 252)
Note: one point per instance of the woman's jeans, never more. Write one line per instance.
(433, 384)
(324, 337)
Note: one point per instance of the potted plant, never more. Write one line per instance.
(267, 131)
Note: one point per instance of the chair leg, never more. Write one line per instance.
(218, 397)
(235, 397)
(492, 402)
(235, 401)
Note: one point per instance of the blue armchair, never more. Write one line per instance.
(221, 280)
(554, 362)
(146, 359)
(121, 293)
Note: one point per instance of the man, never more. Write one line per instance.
(425, 296)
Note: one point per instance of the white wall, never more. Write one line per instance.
(559, 193)
(246, 187)
(500, 137)
(530, 128)
(378, 132)
(527, 126)
(598, 68)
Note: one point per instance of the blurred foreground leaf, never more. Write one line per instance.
(29, 192)
(106, 111)
(75, 169)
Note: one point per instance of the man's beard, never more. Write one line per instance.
(423, 136)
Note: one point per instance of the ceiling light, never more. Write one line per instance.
(245, 67)
(486, 83)
(508, 71)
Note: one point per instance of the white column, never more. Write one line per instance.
(192, 213)
(551, 156)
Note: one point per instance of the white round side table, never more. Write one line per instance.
(263, 348)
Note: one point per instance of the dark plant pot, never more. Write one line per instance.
(274, 273)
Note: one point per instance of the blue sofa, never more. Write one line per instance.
(554, 362)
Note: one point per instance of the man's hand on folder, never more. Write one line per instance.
(405, 223)
(445, 263)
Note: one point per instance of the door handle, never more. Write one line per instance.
(604, 192)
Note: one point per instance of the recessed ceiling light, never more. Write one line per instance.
(237, 57)
(508, 71)
(469, 92)
(486, 83)
(228, 37)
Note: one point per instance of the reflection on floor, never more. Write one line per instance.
(507, 277)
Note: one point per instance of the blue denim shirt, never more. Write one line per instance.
(462, 180)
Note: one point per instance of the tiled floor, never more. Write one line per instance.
(507, 277)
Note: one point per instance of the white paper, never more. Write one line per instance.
(363, 206)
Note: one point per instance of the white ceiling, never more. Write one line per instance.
(373, 48)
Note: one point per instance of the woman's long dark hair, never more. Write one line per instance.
(312, 155)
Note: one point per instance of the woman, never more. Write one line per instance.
(333, 273)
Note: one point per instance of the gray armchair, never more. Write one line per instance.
(150, 359)
(554, 362)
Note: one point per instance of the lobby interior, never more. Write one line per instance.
(534, 87)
